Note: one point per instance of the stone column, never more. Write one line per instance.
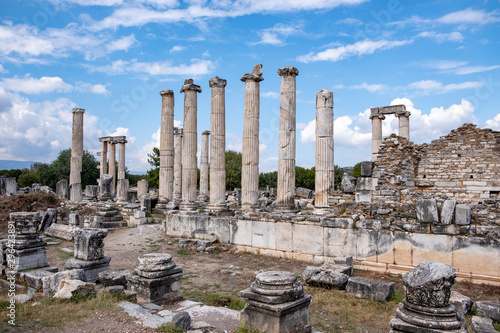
(104, 156)
(250, 151)
(75, 177)
(166, 180)
(189, 145)
(404, 124)
(376, 118)
(122, 183)
(286, 156)
(325, 173)
(204, 167)
(178, 165)
(218, 145)
(112, 163)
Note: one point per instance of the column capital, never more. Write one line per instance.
(205, 133)
(217, 82)
(376, 113)
(189, 85)
(402, 113)
(166, 92)
(178, 131)
(288, 71)
(256, 74)
(324, 98)
(77, 110)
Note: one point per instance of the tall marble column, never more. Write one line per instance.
(218, 145)
(325, 173)
(75, 175)
(122, 183)
(204, 167)
(376, 118)
(104, 156)
(178, 165)
(250, 149)
(286, 155)
(404, 123)
(166, 179)
(112, 162)
(189, 145)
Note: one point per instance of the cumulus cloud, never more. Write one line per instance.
(122, 44)
(357, 49)
(494, 123)
(48, 84)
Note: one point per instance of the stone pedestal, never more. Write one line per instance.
(106, 188)
(250, 144)
(189, 146)
(325, 174)
(426, 307)
(28, 249)
(89, 253)
(156, 279)
(122, 190)
(90, 192)
(166, 177)
(276, 304)
(286, 154)
(142, 188)
(204, 194)
(75, 177)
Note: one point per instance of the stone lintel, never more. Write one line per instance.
(78, 110)
(217, 82)
(288, 71)
(189, 85)
(392, 109)
(105, 139)
(166, 92)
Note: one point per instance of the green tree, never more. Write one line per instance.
(28, 178)
(154, 174)
(339, 173)
(305, 177)
(268, 178)
(233, 170)
(59, 169)
(11, 173)
(356, 171)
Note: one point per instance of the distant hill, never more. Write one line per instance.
(9, 164)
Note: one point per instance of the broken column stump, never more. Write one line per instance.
(156, 279)
(276, 304)
(426, 307)
(89, 253)
(28, 251)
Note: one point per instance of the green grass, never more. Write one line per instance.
(244, 329)
(169, 328)
(62, 255)
(184, 252)
(216, 299)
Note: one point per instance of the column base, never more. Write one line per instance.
(188, 206)
(218, 207)
(321, 210)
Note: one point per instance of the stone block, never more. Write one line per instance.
(463, 214)
(366, 245)
(366, 168)
(432, 248)
(363, 195)
(476, 255)
(427, 211)
(62, 189)
(308, 238)
(482, 325)
(51, 283)
(373, 289)
(242, 233)
(61, 231)
(461, 302)
(91, 269)
(348, 184)
(339, 242)
(34, 278)
(74, 219)
(448, 211)
(89, 243)
(263, 235)
(385, 246)
(69, 288)
(488, 309)
(284, 236)
(302, 192)
(117, 277)
(324, 276)
(364, 184)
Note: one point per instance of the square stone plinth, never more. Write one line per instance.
(278, 318)
(30, 258)
(91, 268)
(159, 290)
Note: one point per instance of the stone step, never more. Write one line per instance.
(111, 225)
(107, 213)
(113, 218)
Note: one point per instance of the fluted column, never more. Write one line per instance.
(112, 163)
(250, 149)
(218, 145)
(189, 145)
(122, 183)
(204, 167)
(166, 177)
(286, 155)
(404, 124)
(75, 175)
(104, 156)
(178, 165)
(325, 173)
(376, 118)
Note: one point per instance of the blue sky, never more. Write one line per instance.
(113, 57)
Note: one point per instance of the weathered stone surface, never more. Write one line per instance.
(89, 243)
(51, 283)
(427, 211)
(62, 231)
(482, 325)
(303, 192)
(204, 194)
(366, 168)
(448, 211)
(488, 309)
(324, 166)
(179, 320)
(34, 278)
(373, 289)
(75, 178)
(106, 191)
(62, 189)
(91, 268)
(114, 277)
(23, 298)
(77, 288)
(48, 218)
(463, 214)
(325, 276)
(461, 302)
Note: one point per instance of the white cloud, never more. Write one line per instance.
(308, 134)
(30, 85)
(276, 35)
(350, 21)
(84, 87)
(454, 36)
(262, 147)
(357, 49)
(197, 67)
(2, 70)
(474, 69)
(370, 87)
(270, 94)
(122, 44)
(469, 15)
(443, 64)
(177, 48)
(431, 87)
(494, 123)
